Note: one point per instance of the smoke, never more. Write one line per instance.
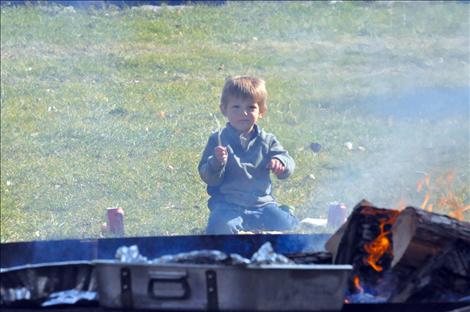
(426, 133)
(400, 91)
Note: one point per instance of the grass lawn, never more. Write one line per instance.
(107, 106)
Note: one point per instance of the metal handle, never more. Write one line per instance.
(126, 288)
(212, 296)
(169, 286)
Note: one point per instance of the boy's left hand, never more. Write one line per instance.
(276, 166)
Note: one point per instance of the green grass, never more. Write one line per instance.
(111, 106)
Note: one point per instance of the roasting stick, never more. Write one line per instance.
(219, 130)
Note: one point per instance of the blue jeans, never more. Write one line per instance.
(228, 218)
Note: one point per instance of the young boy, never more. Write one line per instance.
(237, 161)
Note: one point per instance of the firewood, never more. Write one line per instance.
(333, 242)
(411, 282)
(418, 235)
(349, 239)
(444, 277)
(341, 241)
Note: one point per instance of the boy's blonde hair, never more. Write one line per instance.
(245, 87)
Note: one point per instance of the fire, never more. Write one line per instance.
(427, 183)
(381, 244)
(425, 201)
(452, 201)
(357, 284)
(446, 198)
(378, 247)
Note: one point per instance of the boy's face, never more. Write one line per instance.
(242, 113)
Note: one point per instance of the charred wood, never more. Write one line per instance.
(348, 244)
(321, 257)
(361, 227)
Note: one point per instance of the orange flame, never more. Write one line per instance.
(425, 201)
(357, 284)
(446, 198)
(381, 244)
(454, 203)
(377, 248)
(427, 196)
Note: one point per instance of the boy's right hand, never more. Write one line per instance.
(221, 154)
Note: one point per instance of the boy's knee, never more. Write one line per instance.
(232, 226)
(281, 219)
(215, 229)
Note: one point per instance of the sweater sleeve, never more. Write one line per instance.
(277, 151)
(210, 170)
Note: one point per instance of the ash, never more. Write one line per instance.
(264, 255)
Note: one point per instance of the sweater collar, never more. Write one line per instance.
(234, 132)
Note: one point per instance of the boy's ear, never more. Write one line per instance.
(261, 114)
(222, 109)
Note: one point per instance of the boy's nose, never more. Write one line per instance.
(245, 113)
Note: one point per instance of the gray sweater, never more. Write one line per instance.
(244, 180)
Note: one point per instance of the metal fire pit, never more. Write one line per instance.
(39, 258)
(34, 273)
(288, 287)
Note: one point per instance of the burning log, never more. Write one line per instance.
(431, 257)
(412, 256)
(365, 241)
(419, 235)
(364, 225)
